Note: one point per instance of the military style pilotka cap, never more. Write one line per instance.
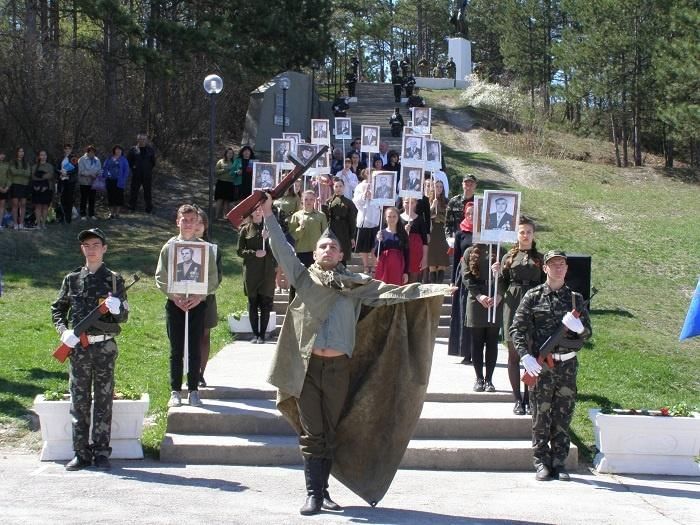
(469, 176)
(92, 232)
(328, 234)
(554, 253)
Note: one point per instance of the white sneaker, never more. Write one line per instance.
(83, 218)
(175, 400)
(93, 218)
(194, 400)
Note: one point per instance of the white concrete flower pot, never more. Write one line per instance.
(57, 435)
(242, 325)
(637, 444)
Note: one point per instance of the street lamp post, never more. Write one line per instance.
(213, 85)
(284, 84)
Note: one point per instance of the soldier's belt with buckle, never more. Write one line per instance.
(99, 338)
(563, 357)
(521, 283)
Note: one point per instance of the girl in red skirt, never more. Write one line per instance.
(391, 250)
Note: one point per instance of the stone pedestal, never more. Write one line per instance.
(460, 50)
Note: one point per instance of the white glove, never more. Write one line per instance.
(531, 365)
(69, 338)
(573, 323)
(113, 304)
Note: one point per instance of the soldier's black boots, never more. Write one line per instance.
(313, 472)
(78, 463)
(102, 462)
(543, 473)
(328, 503)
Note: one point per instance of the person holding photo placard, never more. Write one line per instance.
(368, 217)
(476, 266)
(176, 306)
(417, 231)
(391, 249)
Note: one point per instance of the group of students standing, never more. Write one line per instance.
(37, 183)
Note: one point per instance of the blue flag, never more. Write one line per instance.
(691, 327)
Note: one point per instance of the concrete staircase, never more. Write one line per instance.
(458, 429)
(374, 106)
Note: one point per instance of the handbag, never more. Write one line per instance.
(100, 183)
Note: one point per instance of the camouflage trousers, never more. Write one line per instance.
(92, 369)
(553, 399)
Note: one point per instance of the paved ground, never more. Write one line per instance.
(153, 492)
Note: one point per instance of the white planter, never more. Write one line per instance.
(57, 434)
(636, 444)
(242, 325)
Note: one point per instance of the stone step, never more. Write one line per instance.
(438, 420)
(431, 454)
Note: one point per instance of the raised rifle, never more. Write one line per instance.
(62, 352)
(244, 208)
(545, 355)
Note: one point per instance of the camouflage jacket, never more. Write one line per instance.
(455, 213)
(81, 292)
(540, 314)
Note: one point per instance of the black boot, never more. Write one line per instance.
(265, 309)
(313, 472)
(328, 503)
(440, 276)
(254, 318)
(433, 277)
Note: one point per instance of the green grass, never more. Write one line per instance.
(33, 264)
(640, 227)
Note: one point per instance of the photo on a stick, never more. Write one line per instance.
(280, 149)
(343, 128)
(411, 182)
(188, 262)
(384, 188)
(369, 139)
(264, 175)
(320, 132)
(413, 151)
(500, 216)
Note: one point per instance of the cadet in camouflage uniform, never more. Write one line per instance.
(541, 312)
(93, 367)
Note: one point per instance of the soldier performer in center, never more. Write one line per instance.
(542, 311)
(341, 382)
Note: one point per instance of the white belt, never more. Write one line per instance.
(99, 338)
(564, 357)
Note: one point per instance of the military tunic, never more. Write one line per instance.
(342, 215)
(523, 274)
(553, 398)
(258, 272)
(91, 367)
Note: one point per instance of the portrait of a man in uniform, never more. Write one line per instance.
(187, 269)
(264, 175)
(280, 150)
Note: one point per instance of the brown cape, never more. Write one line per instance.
(389, 373)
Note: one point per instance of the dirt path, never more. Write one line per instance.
(461, 133)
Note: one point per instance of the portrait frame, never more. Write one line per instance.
(320, 131)
(404, 190)
(421, 119)
(305, 152)
(413, 156)
(369, 139)
(294, 137)
(342, 124)
(433, 164)
(179, 271)
(259, 168)
(277, 146)
(323, 164)
(505, 229)
(476, 225)
(381, 176)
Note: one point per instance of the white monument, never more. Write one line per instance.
(460, 51)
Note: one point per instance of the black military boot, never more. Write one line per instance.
(328, 503)
(313, 472)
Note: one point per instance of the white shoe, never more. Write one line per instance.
(194, 400)
(83, 218)
(175, 400)
(93, 218)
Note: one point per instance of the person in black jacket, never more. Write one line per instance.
(142, 160)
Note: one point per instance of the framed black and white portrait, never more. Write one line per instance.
(433, 159)
(280, 149)
(500, 216)
(421, 120)
(369, 139)
(343, 128)
(384, 188)
(323, 164)
(413, 151)
(294, 137)
(188, 262)
(264, 175)
(305, 153)
(320, 131)
(411, 182)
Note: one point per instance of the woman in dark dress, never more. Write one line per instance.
(460, 342)
(42, 188)
(476, 265)
(258, 273)
(438, 259)
(521, 270)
